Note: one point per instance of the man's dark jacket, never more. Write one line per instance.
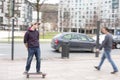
(31, 38)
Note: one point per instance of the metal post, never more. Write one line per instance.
(12, 49)
(97, 42)
(98, 28)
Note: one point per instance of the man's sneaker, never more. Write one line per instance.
(39, 72)
(114, 72)
(25, 72)
(96, 67)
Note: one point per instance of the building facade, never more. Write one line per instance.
(22, 14)
(82, 15)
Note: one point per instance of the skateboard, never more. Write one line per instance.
(32, 73)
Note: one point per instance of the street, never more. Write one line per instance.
(20, 52)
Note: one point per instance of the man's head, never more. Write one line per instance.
(104, 30)
(35, 25)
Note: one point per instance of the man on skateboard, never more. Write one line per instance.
(31, 41)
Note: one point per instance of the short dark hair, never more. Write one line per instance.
(106, 28)
(36, 23)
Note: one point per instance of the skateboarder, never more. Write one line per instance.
(31, 41)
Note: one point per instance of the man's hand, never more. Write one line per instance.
(97, 50)
(26, 45)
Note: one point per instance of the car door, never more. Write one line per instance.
(74, 43)
(66, 38)
(84, 43)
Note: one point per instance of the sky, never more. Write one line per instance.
(46, 1)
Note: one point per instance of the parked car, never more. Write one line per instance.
(76, 41)
(116, 40)
(101, 38)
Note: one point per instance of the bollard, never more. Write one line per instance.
(65, 49)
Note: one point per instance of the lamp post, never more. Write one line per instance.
(98, 28)
(12, 49)
(97, 42)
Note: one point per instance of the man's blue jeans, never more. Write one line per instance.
(107, 55)
(31, 53)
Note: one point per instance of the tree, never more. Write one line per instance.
(38, 7)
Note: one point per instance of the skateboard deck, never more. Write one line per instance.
(32, 73)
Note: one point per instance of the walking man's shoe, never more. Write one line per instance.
(114, 72)
(96, 67)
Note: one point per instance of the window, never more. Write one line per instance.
(113, 15)
(94, 7)
(82, 38)
(76, 1)
(91, 20)
(105, 1)
(1, 19)
(109, 1)
(87, 12)
(67, 37)
(83, 16)
(90, 3)
(90, 39)
(74, 37)
(0, 6)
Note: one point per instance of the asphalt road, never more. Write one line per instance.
(20, 52)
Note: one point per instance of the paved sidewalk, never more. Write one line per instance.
(60, 69)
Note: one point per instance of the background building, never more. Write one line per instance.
(110, 16)
(23, 14)
(81, 15)
(48, 16)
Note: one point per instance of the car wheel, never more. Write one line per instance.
(60, 49)
(94, 49)
(118, 46)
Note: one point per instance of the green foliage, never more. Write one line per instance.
(48, 35)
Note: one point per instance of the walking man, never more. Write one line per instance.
(31, 41)
(107, 45)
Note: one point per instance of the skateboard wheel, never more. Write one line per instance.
(43, 76)
(27, 76)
